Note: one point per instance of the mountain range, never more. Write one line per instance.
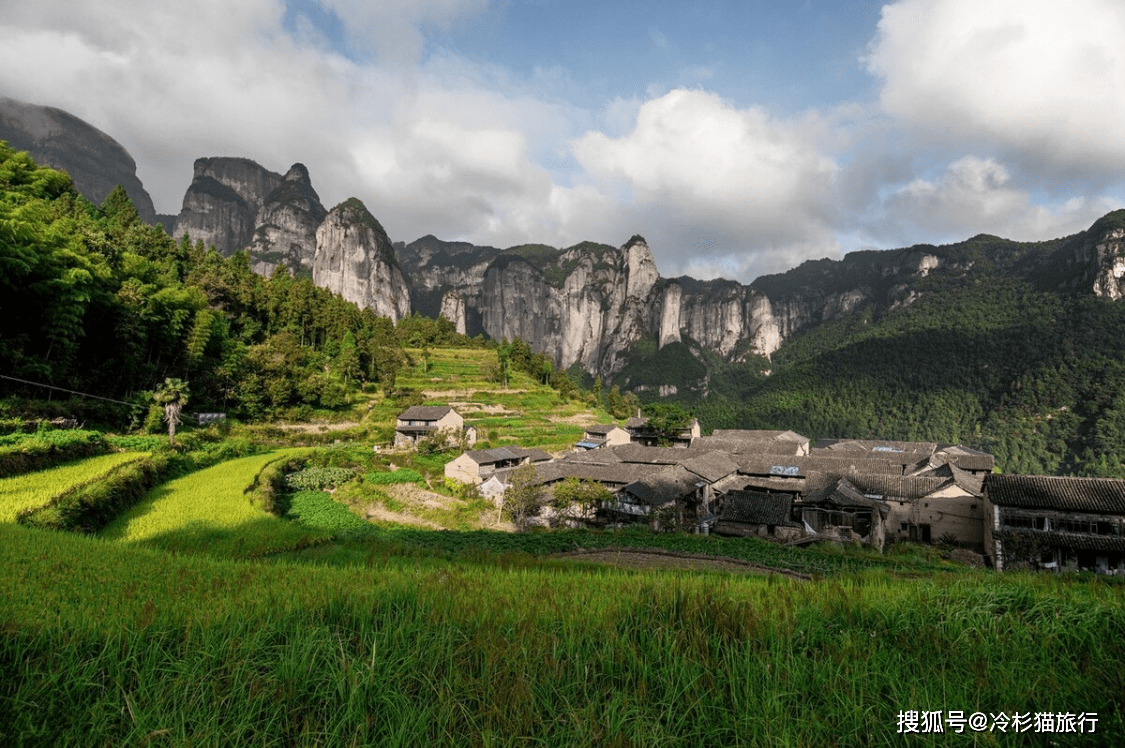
(595, 307)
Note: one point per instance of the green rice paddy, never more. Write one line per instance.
(210, 511)
(32, 490)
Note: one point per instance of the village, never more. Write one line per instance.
(778, 486)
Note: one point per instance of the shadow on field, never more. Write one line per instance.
(256, 537)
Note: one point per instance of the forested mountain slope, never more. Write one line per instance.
(1003, 347)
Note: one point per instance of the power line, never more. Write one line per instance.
(84, 394)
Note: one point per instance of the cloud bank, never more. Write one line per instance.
(986, 116)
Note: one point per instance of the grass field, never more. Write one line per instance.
(115, 644)
(32, 490)
(526, 413)
(197, 619)
(209, 511)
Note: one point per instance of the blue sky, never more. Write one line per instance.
(739, 138)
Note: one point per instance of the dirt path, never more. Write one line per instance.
(657, 558)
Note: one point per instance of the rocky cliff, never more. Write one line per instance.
(599, 306)
(96, 162)
(223, 200)
(286, 224)
(355, 259)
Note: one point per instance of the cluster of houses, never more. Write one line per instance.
(775, 484)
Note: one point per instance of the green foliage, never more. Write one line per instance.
(318, 478)
(402, 475)
(32, 490)
(92, 504)
(416, 650)
(22, 453)
(208, 511)
(316, 509)
(523, 498)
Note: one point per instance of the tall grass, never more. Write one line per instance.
(109, 644)
(210, 511)
(32, 490)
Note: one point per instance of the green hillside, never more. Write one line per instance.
(986, 360)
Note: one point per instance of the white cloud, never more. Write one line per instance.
(715, 179)
(1038, 80)
(977, 195)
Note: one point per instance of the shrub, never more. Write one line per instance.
(22, 453)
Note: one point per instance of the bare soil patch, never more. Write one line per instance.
(417, 500)
(451, 394)
(658, 558)
(579, 419)
(310, 427)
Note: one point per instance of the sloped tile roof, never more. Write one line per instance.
(424, 413)
(1095, 495)
(711, 467)
(760, 435)
(843, 494)
(602, 456)
(1074, 540)
(746, 446)
(898, 487)
(494, 455)
(662, 487)
(758, 508)
(601, 428)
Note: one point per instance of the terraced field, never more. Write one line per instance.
(208, 511)
(35, 489)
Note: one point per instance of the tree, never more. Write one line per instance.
(173, 395)
(576, 499)
(503, 355)
(524, 497)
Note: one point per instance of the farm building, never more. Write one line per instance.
(766, 515)
(1055, 523)
(673, 497)
(420, 421)
(475, 466)
(602, 435)
(840, 511)
(946, 504)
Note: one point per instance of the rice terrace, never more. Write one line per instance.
(241, 589)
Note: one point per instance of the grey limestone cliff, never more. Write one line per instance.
(96, 162)
(355, 259)
(222, 202)
(285, 226)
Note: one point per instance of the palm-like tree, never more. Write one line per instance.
(173, 395)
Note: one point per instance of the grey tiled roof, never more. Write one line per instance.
(494, 455)
(898, 487)
(1096, 495)
(758, 508)
(424, 413)
(842, 494)
(746, 446)
(876, 446)
(610, 475)
(603, 456)
(1074, 540)
(711, 467)
(662, 487)
(601, 428)
(843, 464)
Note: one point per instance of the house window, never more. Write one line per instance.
(1075, 525)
